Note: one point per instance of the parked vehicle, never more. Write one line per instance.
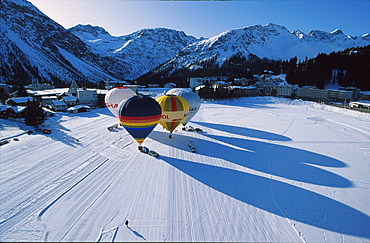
(190, 144)
(198, 129)
(153, 153)
(2, 142)
(46, 131)
(190, 129)
(143, 149)
(192, 147)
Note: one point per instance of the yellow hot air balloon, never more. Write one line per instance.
(175, 109)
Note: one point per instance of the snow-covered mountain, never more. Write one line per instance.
(33, 46)
(270, 41)
(36, 47)
(140, 51)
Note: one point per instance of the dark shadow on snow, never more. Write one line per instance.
(247, 102)
(244, 131)
(290, 163)
(278, 198)
(136, 233)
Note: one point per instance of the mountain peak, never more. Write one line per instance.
(337, 32)
(93, 30)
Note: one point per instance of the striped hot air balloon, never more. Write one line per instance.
(174, 111)
(139, 115)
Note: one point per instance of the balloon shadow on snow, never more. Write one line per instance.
(247, 102)
(244, 131)
(290, 163)
(278, 198)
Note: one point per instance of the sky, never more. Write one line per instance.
(209, 18)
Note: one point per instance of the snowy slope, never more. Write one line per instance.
(271, 41)
(35, 47)
(266, 170)
(141, 51)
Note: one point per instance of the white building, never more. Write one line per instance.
(285, 90)
(86, 96)
(195, 82)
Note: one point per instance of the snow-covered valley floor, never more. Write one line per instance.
(266, 170)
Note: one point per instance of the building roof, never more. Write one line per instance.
(78, 107)
(69, 98)
(58, 102)
(21, 99)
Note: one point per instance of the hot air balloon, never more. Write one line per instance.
(192, 98)
(139, 115)
(114, 96)
(174, 111)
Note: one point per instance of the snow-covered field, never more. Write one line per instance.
(266, 170)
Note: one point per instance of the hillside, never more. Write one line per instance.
(266, 170)
(36, 47)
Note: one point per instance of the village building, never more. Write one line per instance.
(20, 101)
(356, 104)
(69, 100)
(110, 84)
(285, 90)
(170, 85)
(195, 82)
(240, 91)
(58, 105)
(12, 112)
(78, 109)
(153, 85)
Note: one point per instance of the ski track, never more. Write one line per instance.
(84, 190)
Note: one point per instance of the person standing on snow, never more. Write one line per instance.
(126, 223)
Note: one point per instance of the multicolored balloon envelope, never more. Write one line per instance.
(192, 98)
(114, 96)
(174, 110)
(139, 115)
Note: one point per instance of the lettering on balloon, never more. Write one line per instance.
(111, 105)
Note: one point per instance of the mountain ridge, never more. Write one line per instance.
(36, 47)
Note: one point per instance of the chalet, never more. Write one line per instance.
(7, 111)
(58, 105)
(69, 100)
(20, 101)
(78, 109)
(47, 100)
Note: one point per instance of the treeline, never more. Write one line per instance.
(237, 66)
(350, 67)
